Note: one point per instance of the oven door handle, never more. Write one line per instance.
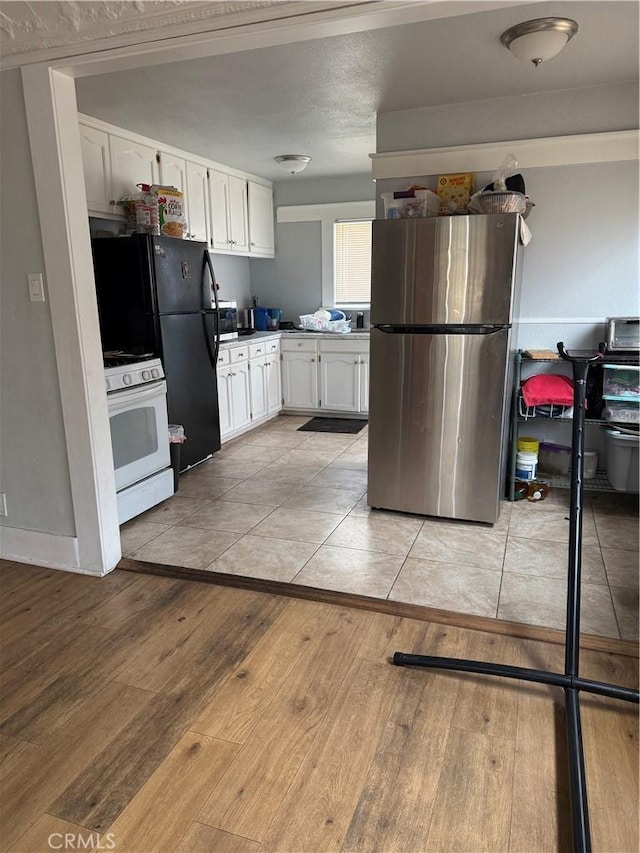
(121, 398)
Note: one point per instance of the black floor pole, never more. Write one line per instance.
(572, 647)
(577, 778)
(569, 679)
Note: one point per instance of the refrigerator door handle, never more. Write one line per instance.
(207, 309)
(441, 329)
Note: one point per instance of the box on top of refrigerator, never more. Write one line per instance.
(454, 192)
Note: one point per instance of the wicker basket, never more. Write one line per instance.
(498, 202)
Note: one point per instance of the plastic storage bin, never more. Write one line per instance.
(621, 382)
(626, 413)
(424, 203)
(622, 460)
(554, 459)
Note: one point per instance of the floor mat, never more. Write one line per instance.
(348, 425)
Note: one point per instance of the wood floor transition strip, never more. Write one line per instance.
(609, 645)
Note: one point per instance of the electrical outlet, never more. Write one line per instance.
(3, 504)
(36, 287)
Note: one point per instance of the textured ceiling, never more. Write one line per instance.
(321, 97)
(27, 27)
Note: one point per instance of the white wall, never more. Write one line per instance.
(293, 279)
(232, 274)
(590, 110)
(33, 458)
(582, 264)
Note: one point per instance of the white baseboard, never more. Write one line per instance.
(41, 549)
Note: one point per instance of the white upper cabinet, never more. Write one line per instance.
(260, 203)
(219, 206)
(96, 163)
(197, 206)
(173, 171)
(131, 163)
(230, 211)
(229, 229)
(238, 227)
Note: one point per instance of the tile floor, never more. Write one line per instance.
(291, 506)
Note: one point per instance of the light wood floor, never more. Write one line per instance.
(169, 715)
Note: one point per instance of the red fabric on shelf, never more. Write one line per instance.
(547, 388)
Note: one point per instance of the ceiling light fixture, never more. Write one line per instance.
(293, 163)
(539, 40)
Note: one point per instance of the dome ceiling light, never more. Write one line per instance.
(539, 40)
(293, 163)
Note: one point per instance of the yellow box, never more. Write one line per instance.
(454, 192)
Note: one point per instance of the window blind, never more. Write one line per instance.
(352, 261)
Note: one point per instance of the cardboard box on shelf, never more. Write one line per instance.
(454, 192)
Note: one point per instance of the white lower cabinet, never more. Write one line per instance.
(224, 402)
(266, 387)
(300, 374)
(233, 394)
(240, 396)
(258, 388)
(249, 387)
(274, 384)
(339, 381)
(329, 375)
(363, 380)
(258, 380)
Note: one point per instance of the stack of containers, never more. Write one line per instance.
(621, 393)
(527, 458)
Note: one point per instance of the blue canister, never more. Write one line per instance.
(261, 319)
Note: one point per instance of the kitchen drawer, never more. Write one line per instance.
(273, 346)
(239, 354)
(259, 350)
(224, 357)
(296, 345)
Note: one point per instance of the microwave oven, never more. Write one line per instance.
(228, 320)
(622, 334)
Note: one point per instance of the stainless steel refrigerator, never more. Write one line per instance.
(444, 296)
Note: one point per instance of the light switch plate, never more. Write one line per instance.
(36, 287)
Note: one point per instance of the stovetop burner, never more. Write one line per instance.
(118, 358)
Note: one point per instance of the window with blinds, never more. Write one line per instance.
(352, 262)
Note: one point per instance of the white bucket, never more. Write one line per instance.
(526, 465)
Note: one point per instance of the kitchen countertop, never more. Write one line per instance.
(359, 334)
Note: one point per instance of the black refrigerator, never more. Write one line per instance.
(158, 295)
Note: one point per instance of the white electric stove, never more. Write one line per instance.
(137, 403)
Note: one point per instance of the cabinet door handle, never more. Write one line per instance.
(252, 243)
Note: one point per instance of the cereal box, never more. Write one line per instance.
(454, 192)
(170, 210)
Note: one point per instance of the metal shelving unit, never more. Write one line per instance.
(599, 483)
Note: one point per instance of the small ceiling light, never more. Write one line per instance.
(539, 40)
(293, 163)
